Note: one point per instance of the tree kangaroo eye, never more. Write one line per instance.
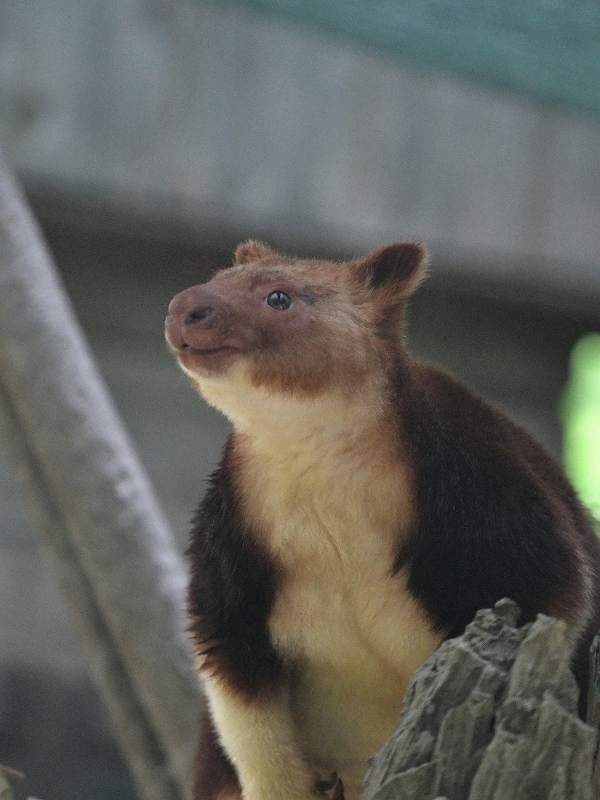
(280, 301)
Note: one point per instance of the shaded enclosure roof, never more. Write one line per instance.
(548, 50)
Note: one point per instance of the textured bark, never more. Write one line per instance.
(5, 790)
(491, 715)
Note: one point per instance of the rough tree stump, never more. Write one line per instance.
(491, 715)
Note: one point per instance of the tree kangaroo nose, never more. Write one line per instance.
(188, 308)
(200, 315)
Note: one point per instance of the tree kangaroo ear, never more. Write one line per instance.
(251, 251)
(400, 267)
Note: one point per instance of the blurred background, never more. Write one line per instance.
(151, 136)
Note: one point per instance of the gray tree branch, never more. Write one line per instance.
(111, 546)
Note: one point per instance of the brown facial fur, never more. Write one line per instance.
(333, 335)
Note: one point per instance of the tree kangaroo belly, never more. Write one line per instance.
(352, 643)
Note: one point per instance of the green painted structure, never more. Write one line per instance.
(548, 50)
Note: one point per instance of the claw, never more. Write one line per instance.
(323, 786)
(338, 792)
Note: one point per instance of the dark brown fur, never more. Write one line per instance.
(494, 515)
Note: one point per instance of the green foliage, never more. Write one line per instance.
(581, 417)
